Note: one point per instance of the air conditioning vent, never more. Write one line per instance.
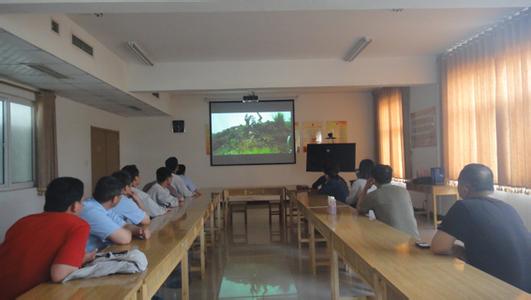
(55, 26)
(82, 45)
(134, 108)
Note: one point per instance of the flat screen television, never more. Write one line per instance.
(343, 154)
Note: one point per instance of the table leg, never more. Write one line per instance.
(312, 247)
(299, 237)
(281, 217)
(218, 215)
(226, 210)
(435, 221)
(291, 211)
(185, 292)
(202, 250)
(212, 229)
(334, 274)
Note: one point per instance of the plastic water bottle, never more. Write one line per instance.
(332, 205)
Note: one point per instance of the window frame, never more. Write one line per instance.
(8, 184)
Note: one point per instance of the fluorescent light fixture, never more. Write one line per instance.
(357, 48)
(139, 53)
(44, 69)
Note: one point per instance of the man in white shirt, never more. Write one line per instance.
(181, 172)
(177, 182)
(363, 173)
(160, 192)
(152, 208)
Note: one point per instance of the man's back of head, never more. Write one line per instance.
(172, 163)
(123, 176)
(365, 169)
(163, 173)
(382, 174)
(62, 193)
(107, 188)
(475, 180)
(331, 169)
(132, 171)
(181, 170)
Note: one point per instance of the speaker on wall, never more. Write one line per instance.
(178, 125)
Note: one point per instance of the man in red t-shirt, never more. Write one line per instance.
(46, 246)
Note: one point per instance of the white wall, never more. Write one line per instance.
(17, 204)
(151, 141)
(425, 158)
(422, 97)
(73, 137)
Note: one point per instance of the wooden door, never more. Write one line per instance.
(105, 152)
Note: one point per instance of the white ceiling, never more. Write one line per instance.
(303, 34)
(80, 86)
(170, 6)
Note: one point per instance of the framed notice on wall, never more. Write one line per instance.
(423, 128)
(316, 132)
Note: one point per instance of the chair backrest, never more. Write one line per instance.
(148, 186)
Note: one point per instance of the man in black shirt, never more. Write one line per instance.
(495, 237)
(331, 183)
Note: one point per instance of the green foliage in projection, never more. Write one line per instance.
(255, 137)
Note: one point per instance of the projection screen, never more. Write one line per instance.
(252, 132)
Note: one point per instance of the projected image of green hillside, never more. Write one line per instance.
(255, 136)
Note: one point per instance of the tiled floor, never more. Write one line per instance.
(258, 263)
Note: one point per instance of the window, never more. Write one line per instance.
(486, 97)
(17, 137)
(390, 130)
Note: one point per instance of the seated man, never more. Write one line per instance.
(391, 204)
(45, 246)
(159, 191)
(331, 183)
(181, 170)
(363, 173)
(152, 208)
(178, 187)
(105, 226)
(495, 237)
(130, 208)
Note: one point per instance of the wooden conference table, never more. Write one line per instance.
(172, 236)
(389, 261)
(255, 194)
(384, 257)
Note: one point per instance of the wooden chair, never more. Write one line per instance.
(274, 210)
(238, 207)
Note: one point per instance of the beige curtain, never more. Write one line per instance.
(389, 121)
(486, 99)
(46, 137)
